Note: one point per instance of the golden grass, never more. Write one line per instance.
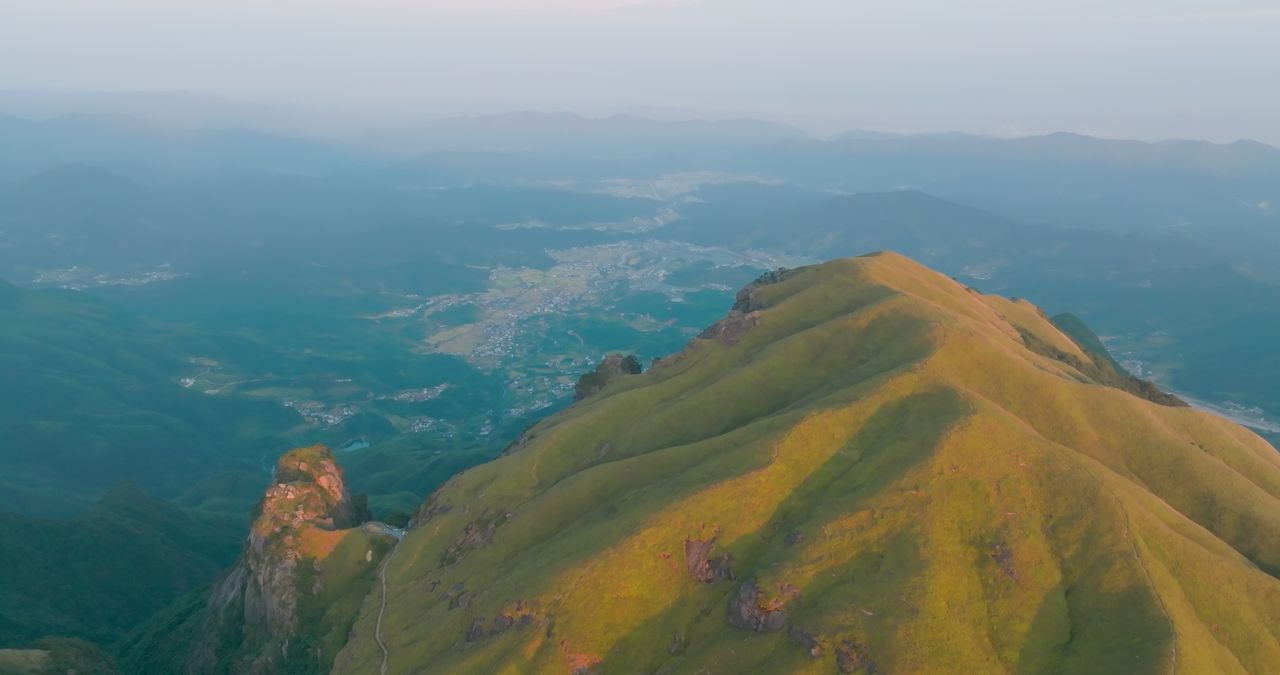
(318, 543)
(893, 468)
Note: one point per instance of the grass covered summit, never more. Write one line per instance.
(865, 467)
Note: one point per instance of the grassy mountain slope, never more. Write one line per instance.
(1192, 322)
(1084, 336)
(865, 466)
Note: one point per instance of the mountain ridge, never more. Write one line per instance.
(862, 426)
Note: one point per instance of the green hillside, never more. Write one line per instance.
(1084, 336)
(99, 574)
(91, 397)
(866, 467)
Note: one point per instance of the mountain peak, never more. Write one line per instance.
(866, 466)
(308, 491)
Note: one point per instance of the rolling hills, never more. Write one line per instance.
(146, 148)
(92, 397)
(100, 573)
(865, 467)
(1062, 178)
(572, 135)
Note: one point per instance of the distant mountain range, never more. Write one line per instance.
(1190, 188)
(170, 108)
(569, 134)
(157, 151)
(1063, 179)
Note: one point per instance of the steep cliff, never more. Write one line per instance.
(287, 603)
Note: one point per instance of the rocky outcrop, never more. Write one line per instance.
(517, 617)
(1002, 555)
(731, 329)
(476, 534)
(259, 597)
(745, 313)
(746, 611)
(807, 640)
(748, 298)
(852, 657)
(702, 566)
(612, 367)
(309, 492)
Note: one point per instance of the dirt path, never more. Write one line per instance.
(377, 629)
(399, 535)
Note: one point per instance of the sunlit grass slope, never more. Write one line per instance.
(901, 484)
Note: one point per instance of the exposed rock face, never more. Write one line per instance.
(1003, 557)
(747, 300)
(612, 367)
(476, 534)
(732, 328)
(851, 657)
(516, 617)
(747, 612)
(703, 567)
(501, 623)
(807, 640)
(745, 313)
(261, 591)
(309, 492)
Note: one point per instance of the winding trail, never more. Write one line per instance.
(377, 629)
(376, 528)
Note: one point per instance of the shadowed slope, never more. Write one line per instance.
(864, 466)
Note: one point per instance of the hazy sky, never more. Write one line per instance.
(1136, 68)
